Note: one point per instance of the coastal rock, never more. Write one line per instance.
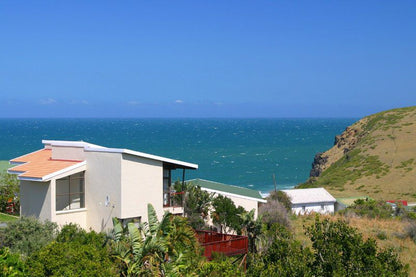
(342, 145)
(318, 165)
(348, 137)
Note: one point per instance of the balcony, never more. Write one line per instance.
(172, 202)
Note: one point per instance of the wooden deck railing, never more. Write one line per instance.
(230, 245)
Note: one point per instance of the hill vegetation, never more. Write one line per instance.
(376, 156)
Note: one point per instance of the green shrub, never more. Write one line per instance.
(75, 252)
(369, 208)
(71, 259)
(340, 250)
(220, 267)
(197, 204)
(226, 214)
(337, 250)
(279, 255)
(11, 264)
(382, 235)
(75, 234)
(27, 235)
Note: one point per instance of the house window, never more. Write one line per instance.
(303, 208)
(70, 192)
(322, 207)
(166, 186)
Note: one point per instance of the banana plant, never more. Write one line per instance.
(156, 248)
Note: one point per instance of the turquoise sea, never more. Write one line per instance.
(244, 152)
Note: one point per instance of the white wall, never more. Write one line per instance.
(322, 208)
(102, 182)
(141, 183)
(68, 153)
(73, 216)
(247, 204)
(36, 199)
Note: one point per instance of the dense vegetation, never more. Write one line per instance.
(169, 248)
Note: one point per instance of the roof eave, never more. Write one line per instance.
(144, 155)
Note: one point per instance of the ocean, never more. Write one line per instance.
(243, 152)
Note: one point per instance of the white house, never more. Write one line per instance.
(87, 184)
(305, 201)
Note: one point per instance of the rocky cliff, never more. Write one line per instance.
(376, 156)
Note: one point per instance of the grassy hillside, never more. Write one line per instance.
(376, 156)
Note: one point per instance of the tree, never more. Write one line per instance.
(251, 228)
(196, 203)
(226, 214)
(9, 192)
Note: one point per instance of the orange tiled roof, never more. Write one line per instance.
(39, 164)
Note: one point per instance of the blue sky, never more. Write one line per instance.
(206, 58)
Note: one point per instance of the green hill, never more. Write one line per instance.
(376, 156)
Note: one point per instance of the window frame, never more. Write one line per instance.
(168, 179)
(69, 200)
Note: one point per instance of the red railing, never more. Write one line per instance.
(230, 245)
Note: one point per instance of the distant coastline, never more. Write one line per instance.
(243, 152)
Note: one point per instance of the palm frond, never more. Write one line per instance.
(152, 218)
(117, 229)
(135, 238)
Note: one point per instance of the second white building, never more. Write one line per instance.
(306, 201)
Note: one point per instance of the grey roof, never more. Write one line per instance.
(306, 196)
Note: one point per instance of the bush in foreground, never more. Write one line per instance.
(75, 252)
(27, 235)
(337, 250)
(11, 264)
